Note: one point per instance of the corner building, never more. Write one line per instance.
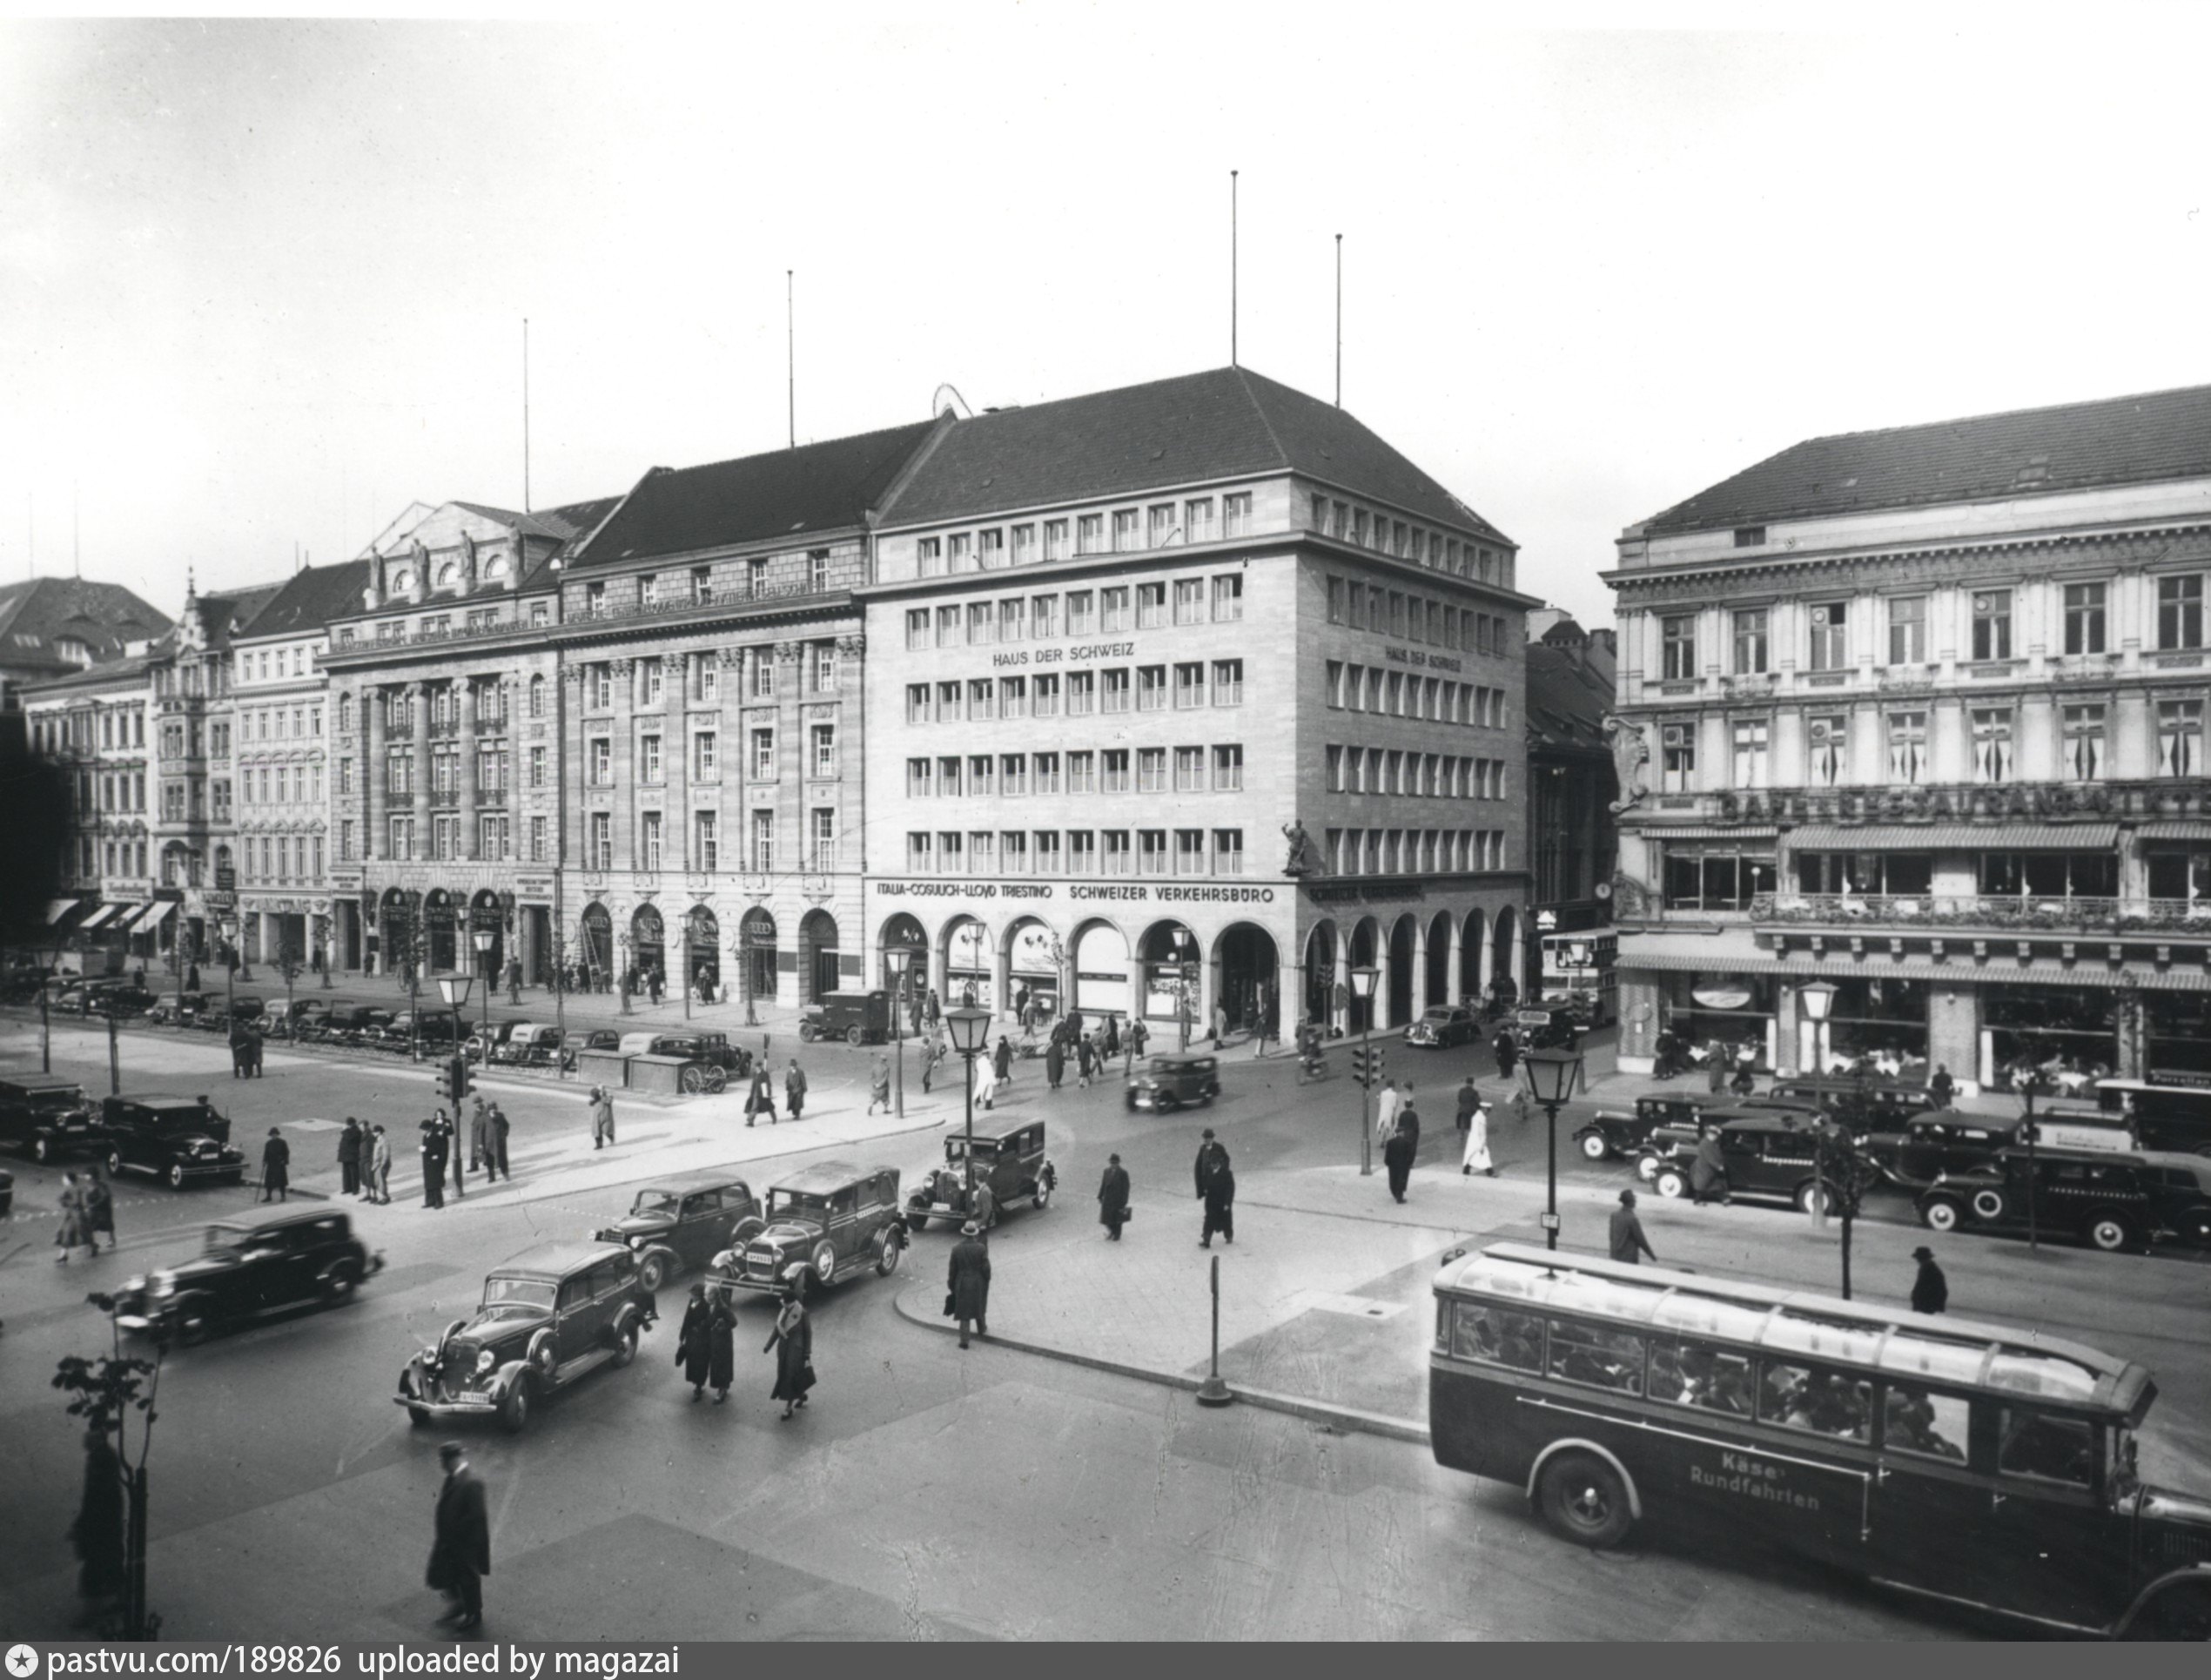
(1919, 714)
(1204, 658)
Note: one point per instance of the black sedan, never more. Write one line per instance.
(246, 1268)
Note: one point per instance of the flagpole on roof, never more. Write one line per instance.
(1339, 320)
(1231, 267)
(790, 360)
(526, 414)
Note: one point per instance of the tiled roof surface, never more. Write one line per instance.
(38, 612)
(789, 492)
(2162, 434)
(1223, 423)
(310, 598)
(231, 612)
(1568, 698)
(128, 668)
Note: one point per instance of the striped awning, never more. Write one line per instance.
(1958, 837)
(2197, 829)
(1725, 956)
(57, 908)
(1710, 831)
(98, 918)
(153, 916)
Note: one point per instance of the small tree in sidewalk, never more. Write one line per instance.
(104, 1391)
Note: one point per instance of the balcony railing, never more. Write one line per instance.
(1965, 801)
(1895, 911)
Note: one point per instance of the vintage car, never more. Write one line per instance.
(531, 1044)
(1889, 1104)
(708, 1050)
(2104, 1198)
(249, 1266)
(1011, 1160)
(681, 1224)
(858, 1018)
(1444, 1025)
(598, 1037)
(48, 1118)
(822, 1225)
(1772, 1157)
(177, 1008)
(549, 1316)
(1620, 1131)
(432, 1028)
(1174, 1080)
(1935, 1144)
(346, 1022)
(7, 1193)
(216, 1014)
(178, 1139)
(1676, 1139)
(123, 999)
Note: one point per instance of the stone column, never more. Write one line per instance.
(374, 843)
(417, 697)
(1953, 1034)
(1420, 1000)
(466, 687)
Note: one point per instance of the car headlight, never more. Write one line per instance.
(164, 1283)
(485, 1361)
(135, 1285)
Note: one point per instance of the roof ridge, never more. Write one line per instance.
(1244, 377)
(1999, 413)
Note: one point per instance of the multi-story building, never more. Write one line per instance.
(280, 800)
(1918, 715)
(712, 657)
(1198, 680)
(92, 723)
(443, 749)
(52, 626)
(1572, 845)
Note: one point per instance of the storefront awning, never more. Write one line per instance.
(1723, 957)
(1710, 831)
(2197, 829)
(98, 918)
(57, 908)
(156, 916)
(1959, 836)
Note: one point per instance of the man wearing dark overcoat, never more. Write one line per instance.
(460, 1557)
(1112, 1198)
(969, 1282)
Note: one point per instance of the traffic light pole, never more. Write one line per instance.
(1366, 1071)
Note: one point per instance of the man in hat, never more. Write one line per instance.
(460, 1556)
(496, 1148)
(1930, 1290)
(1629, 1244)
(970, 1283)
(602, 1117)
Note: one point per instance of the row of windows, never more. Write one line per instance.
(73, 733)
(1196, 770)
(269, 662)
(126, 858)
(1132, 530)
(820, 850)
(280, 723)
(280, 859)
(1415, 851)
(748, 580)
(1399, 694)
(1193, 684)
(1428, 776)
(2180, 627)
(494, 839)
(761, 765)
(119, 791)
(1085, 851)
(1119, 607)
(278, 785)
(1410, 618)
(478, 620)
(1387, 536)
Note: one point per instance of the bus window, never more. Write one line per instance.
(1688, 1373)
(1920, 1421)
(1497, 1335)
(1798, 1397)
(1604, 1359)
(2048, 1449)
(2042, 1375)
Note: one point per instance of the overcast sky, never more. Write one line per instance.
(261, 283)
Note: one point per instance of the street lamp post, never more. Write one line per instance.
(900, 958)
(1364, 981)
(969, 1027)
(1553, 1075)
(1817, 999)
(483, 939)
(1183, 965)
(745, 938)
(686, 976)
(621, 978)
(455, 989)
(2029, 1083)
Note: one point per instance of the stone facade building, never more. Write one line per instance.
(93, 725)
(1919, 714)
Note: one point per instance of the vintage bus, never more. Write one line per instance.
(1962, 1461)
(2170, 1117)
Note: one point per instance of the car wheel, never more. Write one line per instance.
(1646, 1167)
(1583, 1499)
(854, 1037)
(1163, 1104)
(1671, 1183)
(806, 1033)
(1988, 1205)
(338, 1288)
(1043, 1195)
(2179, 1615)
(886, 1254)
(825, 1262)
(115, 1163)
(626, 1347)
(514, 1409)
(42, 1150)
(652, 1271)
(175, 1175)
(1941, 1214)
(1593, 1147)
(2108, 1233)
(1814, 1199)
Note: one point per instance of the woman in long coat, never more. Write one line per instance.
(722, 1350)
(1084, 1060)
(1112, 1198)
(793, 1341)
(1055, 1062)
(1002, 1057)
(1477, 1152)
(762, 1099)
(691, 1346)
(75, 1230)
(99, 1209)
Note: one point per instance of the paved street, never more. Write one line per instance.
(928, 1492)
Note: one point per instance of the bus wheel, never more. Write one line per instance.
(1583, 1499)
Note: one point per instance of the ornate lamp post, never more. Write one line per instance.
(1183, 980)
(1817, 999)
(1363, 982)
(455, 988)
(227, 927)
(483, 939)
(2029, 1083)
(1553, 1076)
(745, 937)
(621, 976)
(969, 1026)
(900, 958)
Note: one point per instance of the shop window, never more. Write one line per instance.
(2182, 875)
(1869, 874)
(1696, 879)
(1877, 1024)
(2084, 618)
(2056, 1028)
(2049, 874)
(2177, 1032)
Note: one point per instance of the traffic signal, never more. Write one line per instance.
(1366, 1066)
(445, 1082)
(463, 1080)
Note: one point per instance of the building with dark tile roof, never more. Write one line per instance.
(51, 626)
(1912, 733)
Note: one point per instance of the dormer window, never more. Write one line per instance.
(1750, 536)
(495, 568)
(402, 580)
(449, 575)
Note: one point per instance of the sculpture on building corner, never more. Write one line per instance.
(1304, 860)
(1630, 753)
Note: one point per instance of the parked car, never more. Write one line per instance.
(1011, 1160)
(823, 1224)
(433, 1028)
(2101, 1198)
(67, 995)
(531, 1044)
(548, 1317)
(178, 1139)
(1444, 1025)
(1624, 1131)
(709, 1049)
(681, 1224)
(1893, 1103)
(1936, 1144)
(1175, 1079)
(177, 1008)
(477, 1049)
(248, 1267)
(1547, 1024)
(7, 1193)
(347, 1023)
(49, 1118)
(293, 1018)
(1677, 1139)
(1771, 1157)
(858, 1018)
(126, 1000)
(599, 1038)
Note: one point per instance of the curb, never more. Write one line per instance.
(1345, 1418)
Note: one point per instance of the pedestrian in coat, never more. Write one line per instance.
(720, 1350)
(241, 1053)
(495, 1153)
(1055, 1062)
(1112, 1198)
(794, 1088)
(935, 1009)
(1629, 1244)
(602, 1117)
(1930, 1290)
(1508, 1053)
(1386, 1108)
(1002, 1058)
(1220, 1025)
(349, 1158)
(986, 1082)
(255, 1040)
(1475, 1158)
(460, 1556)
(1409, 1118)
(98, 1534)
(792, 1341)
(694, 1350)
(1139, 1036)
(1942, 1087)
(1112, 1029)
(99, 1209)
(276, 1168)
(986, 1204)
(1397, 1160)
(75, 1230)
(1708, 1173)
(1213, 1155)
(1743, 1083)
(1715, 1069)
(1220, 1205)
(1469, 1100)
(1086, 1061)
(192, 978)
(437, 1136)
(379, 1165)
(969, 1282)
(932, 1054)
(879, 1085)
(761, 1099)
(479, 1135)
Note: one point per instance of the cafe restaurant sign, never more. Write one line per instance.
(1075, 891)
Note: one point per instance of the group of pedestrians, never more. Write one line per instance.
(706, 1347)
(760, 1098)
(87, 1207)
(364, 1162)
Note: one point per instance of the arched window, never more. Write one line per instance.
(345, 713)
